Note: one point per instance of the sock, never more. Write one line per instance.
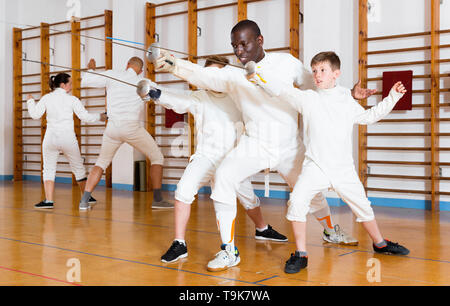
(48, 202)
(302, 254)
(382, 244)
(85, 197)
(181, 241)
(262, 229)
(232, 247)
(157, 196)
(324, 218)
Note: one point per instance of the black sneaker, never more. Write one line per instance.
(391, 248)
(270, 234)
(295, 263)
(176, 251)
(92, 200)
(44, 204)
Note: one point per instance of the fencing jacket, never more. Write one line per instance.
(218, 123)
(60, 107)
(123, 103)
(328, 117)
(273, 124)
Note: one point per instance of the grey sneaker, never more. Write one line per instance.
(84, 206)
(339, 237)
(162, 204)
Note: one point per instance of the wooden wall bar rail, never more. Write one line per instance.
(408, 163)
(399, 190)
(434, 102)
(65, 22)
(406, 35)
(239, 3)
(17, 121)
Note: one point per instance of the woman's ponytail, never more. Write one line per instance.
(51, 83)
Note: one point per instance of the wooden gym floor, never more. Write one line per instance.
(121, 240)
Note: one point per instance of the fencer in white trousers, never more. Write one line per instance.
(329, 115)
(60, 136)
(272, 138)
(218, 126)
(125, 125)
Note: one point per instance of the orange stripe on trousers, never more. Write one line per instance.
(328, 219)
(232, 230)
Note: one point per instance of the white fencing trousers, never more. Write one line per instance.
(313, 180)
(200, 172)
(131, 132)
(244, 161)
(65, 142)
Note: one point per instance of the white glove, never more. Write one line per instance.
(165, 62)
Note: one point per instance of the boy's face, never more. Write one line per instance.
(324, 76)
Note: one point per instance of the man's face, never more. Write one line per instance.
(247, 46)
(324, 76)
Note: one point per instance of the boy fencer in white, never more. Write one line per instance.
(329, 115)
(125, 108)
(218, 125)
(60, 134)
(272, 138)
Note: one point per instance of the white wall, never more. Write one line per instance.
(8, 12)
(399, 17)
(3, 84)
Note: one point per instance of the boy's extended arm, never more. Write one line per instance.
(280, 90)
(179, 103)
(297, 98)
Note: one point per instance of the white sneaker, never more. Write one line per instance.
(224, 259)
(339, 237)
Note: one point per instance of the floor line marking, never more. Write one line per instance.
(129, 261)
(39, 275)
(215, 233)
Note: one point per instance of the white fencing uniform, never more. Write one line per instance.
(218, 125)
(272, 137)
(124, 109)
(60, 135)
(328, 117)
